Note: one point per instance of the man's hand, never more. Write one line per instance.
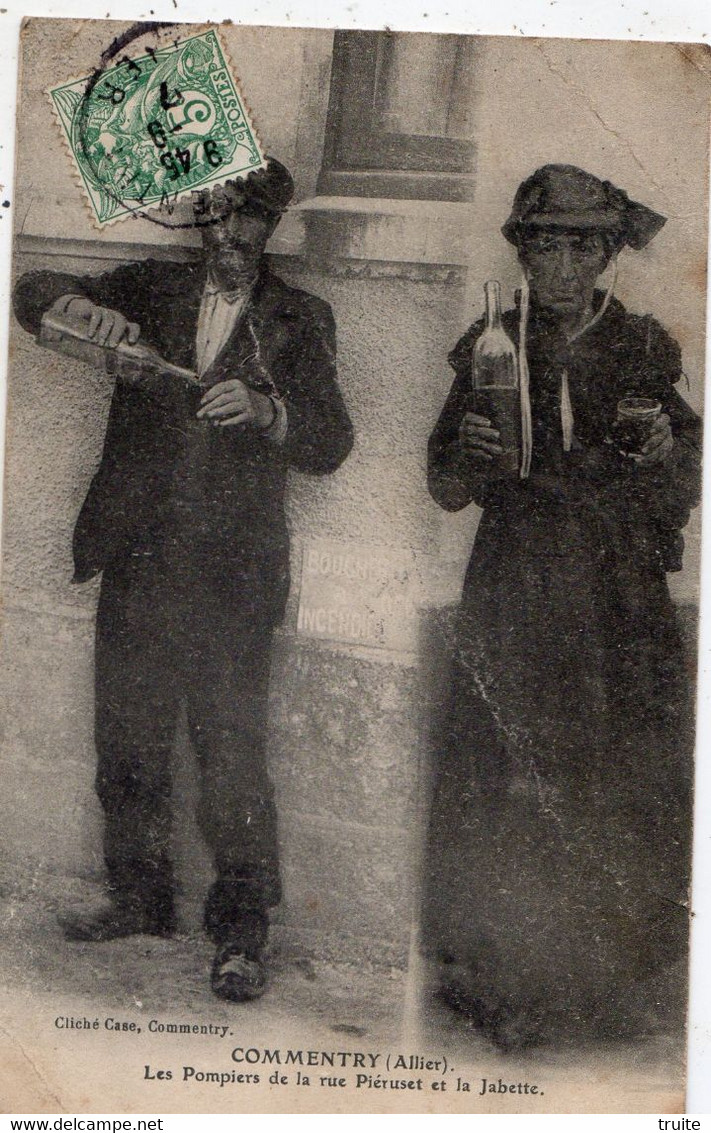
(656, 450)
(477, 438)
(234, 403)
(105, 327)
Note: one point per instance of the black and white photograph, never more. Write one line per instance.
(351, 561)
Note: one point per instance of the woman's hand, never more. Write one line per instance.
(477, 438)
(659, 445)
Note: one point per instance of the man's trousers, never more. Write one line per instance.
(168, 638)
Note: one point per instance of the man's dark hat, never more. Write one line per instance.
(264, 192)
(563, 196)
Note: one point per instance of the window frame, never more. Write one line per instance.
(360, 158)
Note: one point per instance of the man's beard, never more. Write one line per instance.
(233, 266)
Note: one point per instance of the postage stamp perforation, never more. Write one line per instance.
(174, 120)
(250, 124)
(74, 170)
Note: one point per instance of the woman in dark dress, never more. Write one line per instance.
(560, 832)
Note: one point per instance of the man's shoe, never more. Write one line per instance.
(115, 922)
(238, 975)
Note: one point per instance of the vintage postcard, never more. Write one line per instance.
(350, 570)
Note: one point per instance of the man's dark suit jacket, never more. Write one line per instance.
(217, 494)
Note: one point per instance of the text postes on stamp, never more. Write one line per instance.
(145, 131)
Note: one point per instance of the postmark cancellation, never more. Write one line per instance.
(155, 124)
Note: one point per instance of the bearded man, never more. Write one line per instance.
(185, 521)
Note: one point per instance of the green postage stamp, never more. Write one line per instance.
(145, 130)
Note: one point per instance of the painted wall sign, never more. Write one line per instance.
(361, 595)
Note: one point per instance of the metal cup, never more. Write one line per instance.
(633, 424)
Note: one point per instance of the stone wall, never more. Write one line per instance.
(351, 720)
(349, 723)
